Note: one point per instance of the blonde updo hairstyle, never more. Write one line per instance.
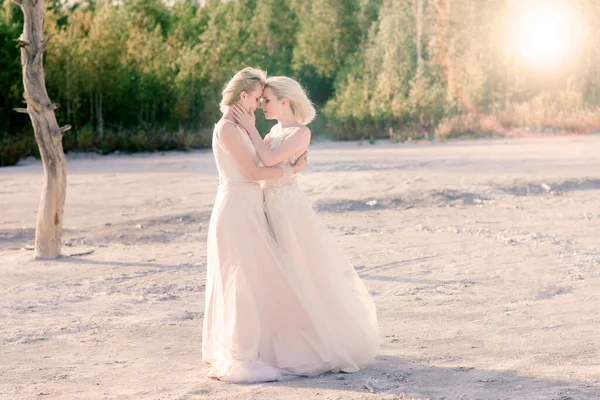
(244, 81)
(287, 88)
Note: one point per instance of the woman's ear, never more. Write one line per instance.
(243, 95)
(285, 102)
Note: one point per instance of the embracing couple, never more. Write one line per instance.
(282, 300)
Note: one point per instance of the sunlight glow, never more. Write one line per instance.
(546, 33)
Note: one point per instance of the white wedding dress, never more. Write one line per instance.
(324, 275)
(268, 316)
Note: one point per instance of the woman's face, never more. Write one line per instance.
(271, 105)
(251, 101)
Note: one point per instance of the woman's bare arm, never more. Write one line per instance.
(296, 142)
(233, 143)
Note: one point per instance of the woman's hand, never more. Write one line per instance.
(244, 118)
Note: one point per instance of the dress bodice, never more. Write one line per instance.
(229, 172)
(275, 138)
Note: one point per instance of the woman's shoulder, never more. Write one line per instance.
(226, 127)
(302, 131)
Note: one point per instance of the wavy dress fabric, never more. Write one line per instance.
(264, 319)
(348, 329)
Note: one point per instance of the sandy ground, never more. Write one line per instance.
(483, 258)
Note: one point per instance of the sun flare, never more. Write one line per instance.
(546, 33)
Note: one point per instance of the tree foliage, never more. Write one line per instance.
(147, 74)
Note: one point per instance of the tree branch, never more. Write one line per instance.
(64, 129)
(21, 110)
(45, 42)
(21, 43)
(37, 60)
(32, 102)
(83, 253)
(53, 106)
(17, 2)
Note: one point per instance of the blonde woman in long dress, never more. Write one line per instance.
(349, 334)
(260, 322)
(243, 259)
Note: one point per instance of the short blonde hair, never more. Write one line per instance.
(287, 88)
(243, 81)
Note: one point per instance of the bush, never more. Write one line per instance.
(14, 149)
(467, 125)
(564, 112)
(85, 140)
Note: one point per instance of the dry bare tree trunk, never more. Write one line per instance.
(48, 134)
(419, 37)
(98, 99)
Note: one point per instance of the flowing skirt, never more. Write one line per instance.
(326, 278)
(261, 321)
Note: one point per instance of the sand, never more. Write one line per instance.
(483, 258)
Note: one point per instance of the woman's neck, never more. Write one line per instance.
(228, 115)
(288, 121)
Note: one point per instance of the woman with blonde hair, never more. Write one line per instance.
(245, 271)
(348, 331)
